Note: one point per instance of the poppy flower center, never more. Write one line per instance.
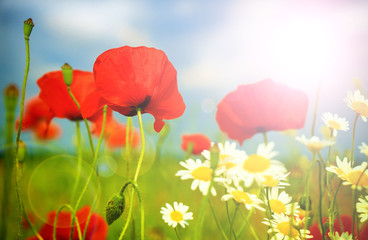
(354, 177)
(176, 216)
(202, 173)
(142, 106)
(287, 230)
(360, 107)
(256, 164)
(334, 124)
(241, 197)
(277, 206)
(270, 181)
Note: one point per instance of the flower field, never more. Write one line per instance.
(117, 184)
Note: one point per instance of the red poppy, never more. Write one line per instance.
(115, 134)
(261, 107)
(37, 117)
(200, 142)
(53, 91)
(347, 223)
(128, 78)
(96, 230)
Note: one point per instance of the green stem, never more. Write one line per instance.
(177, 234)
(140, 160)
(89, 217)
(246, 221)
(269, 211)
(315, 108)
(216, 220)
(320, 199)
(306, 191)
(135, 187)
(92, 169)
(354, 201)
(353, 139)
(128, 137)
(56, 218)
(16, 155)
(31, 225)
(79, 166)
(265, 139)
(233, 220)
(85, 122)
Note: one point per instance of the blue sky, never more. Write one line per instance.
(214, 45)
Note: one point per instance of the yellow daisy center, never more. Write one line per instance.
(360, 107)
(176, 216)
(270, 181)
(227, 165)
(241, 197)
(334, 124)
(354, 177)
(256, 164)
(277, 206)
(287, 230)
(202, 173)
(315, 146)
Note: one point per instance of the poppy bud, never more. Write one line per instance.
(303, 203)
(11, 94)
(67, 74)
(114, 208)
(22, 149)
(215, 153)
(28, 26)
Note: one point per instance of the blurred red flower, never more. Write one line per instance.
(115, 134)
(261, 107)
(347, 223)
(128, 78)
(37, 117)
(96, 230)
(54, 92)
(200, 142)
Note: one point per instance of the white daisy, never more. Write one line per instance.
(229, 159)
(358, 103)
(176, 215)
(364, 149)
(362, 208)
(334, 122)
(283, 230)
(314, 144)
(256, 166)
(281, 203)
(344, 236)
(200, 172)
(275, 179)
(350, 175)
(242, 197)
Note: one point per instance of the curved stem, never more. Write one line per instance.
(140, 160)
(233, 220)
(31, 225)
(92, 169)
(128, 136)
(16, 155)
(135, 187)
(56, 218)
(85, 122)
(177, 234)
(353, 139)
(217, 221)
(79, 166)
(246, 221)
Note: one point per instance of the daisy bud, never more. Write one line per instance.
(215, 153)
(22, 151)
(11, 94)
(67, 74)
(303, 203)
(27, 27)
(115, 207)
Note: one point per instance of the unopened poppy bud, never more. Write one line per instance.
(114, 208)
(303, 203)
(22, 149)
(67, 74)
(28, 26)
(215, 156)
(11, 94)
